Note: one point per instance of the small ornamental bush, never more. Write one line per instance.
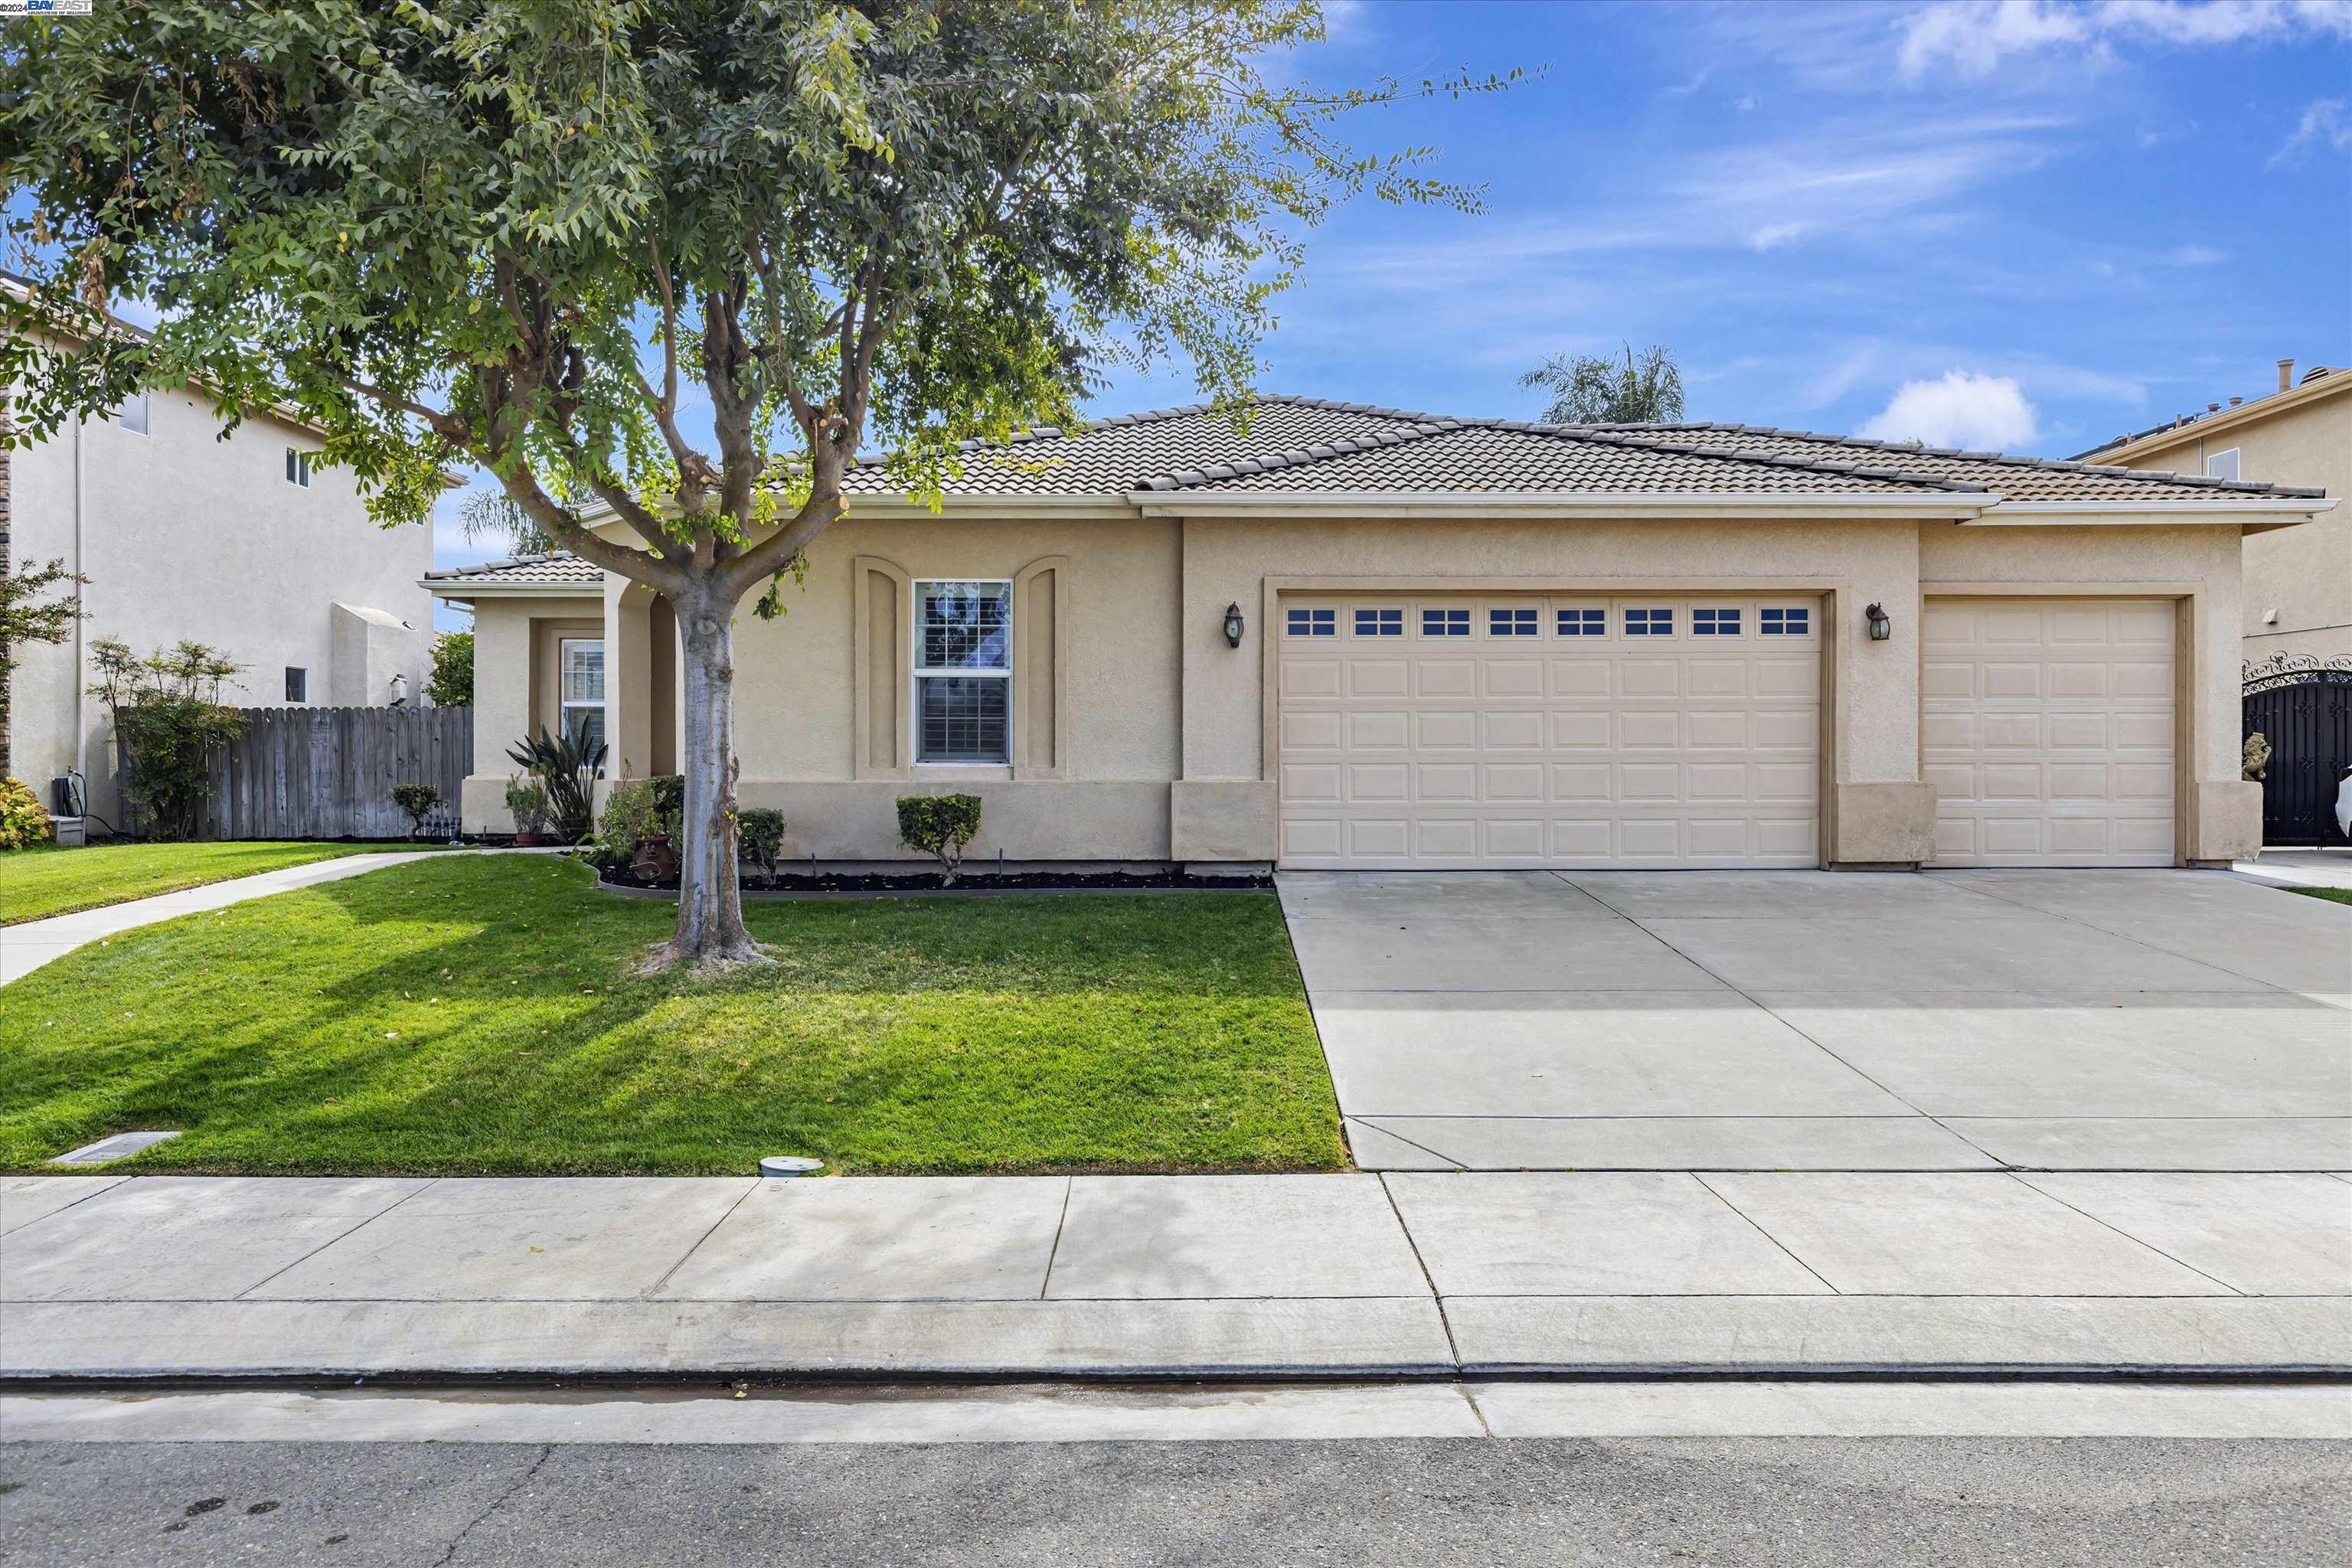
(527, 803)
(762, 836)
(24, 821)
(569, 766)
(939, 825)
(418, 801)
(168, 718)
(631, 817)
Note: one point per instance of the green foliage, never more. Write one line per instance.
(24, 820)
(28, 616)
(631, 814)
(168, 717)
(939, 825)
(762, 836)
(493, 515)
(568, 766)
(1589, 390)
(418, 801)
(527, 803)
(503, 232)
(451, 684)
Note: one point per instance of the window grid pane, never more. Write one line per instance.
(1446, 623)
(1511, 622)
(1715, 623)
(962, 718)
(1784, 622)
(1311, 623)
(584, 672)
(964, 625)
(1583, 623)
(1380, 622)
(1649, 623)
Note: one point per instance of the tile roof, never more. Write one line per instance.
(1306, 444)
(561, 569)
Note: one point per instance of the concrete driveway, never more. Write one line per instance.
(1759, 1020)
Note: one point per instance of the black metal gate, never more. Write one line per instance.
(2303, 707)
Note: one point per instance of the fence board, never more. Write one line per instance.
(328, 773)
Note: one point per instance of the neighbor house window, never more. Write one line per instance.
(1784, 622)
(1715, 623)
(1310, 623)
(297, 466)
(963, 672)
(1446, 623)
(132, 413)
(1649, 623)
(1511, 622)
(2222, 465)
(580, 688)
(298, 684)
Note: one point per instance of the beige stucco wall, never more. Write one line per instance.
(514, 689)
(1165, 724)
(188, 536)
(2300, 574)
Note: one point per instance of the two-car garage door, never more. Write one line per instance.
(1452, 730)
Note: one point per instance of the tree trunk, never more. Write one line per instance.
(710, 893)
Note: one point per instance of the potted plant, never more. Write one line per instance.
(527, 803)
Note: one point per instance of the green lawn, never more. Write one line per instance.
(38, 883)
(482, 1013)
(2333, 895)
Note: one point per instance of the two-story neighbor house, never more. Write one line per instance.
(239, 543)
(1352, 637)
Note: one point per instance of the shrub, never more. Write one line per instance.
(939, 825)
(24, 821)
(568, 765)
(168, 717)
(762, 836)
(527, 803)
(631, 817)
(451, 684)
(417, 800)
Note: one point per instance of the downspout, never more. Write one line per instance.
(81, 590)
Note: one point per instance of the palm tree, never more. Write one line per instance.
(1589, 390)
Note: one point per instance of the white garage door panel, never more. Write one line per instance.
(1433, 739)
(2047, 730)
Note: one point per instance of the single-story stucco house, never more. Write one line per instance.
(1351, 637)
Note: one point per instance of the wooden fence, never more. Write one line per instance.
(328, 773)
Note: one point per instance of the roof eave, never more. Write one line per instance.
(2256, 514)
(465, 589)
(2248, 413)
(1210, 503)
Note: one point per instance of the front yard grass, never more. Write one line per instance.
(483, 1015)
(38, 883)
(2333, 895)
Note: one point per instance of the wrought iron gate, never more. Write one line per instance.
(2301, 704)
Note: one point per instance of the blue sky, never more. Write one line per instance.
(2025, 225)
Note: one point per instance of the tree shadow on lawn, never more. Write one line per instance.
(486, 1016)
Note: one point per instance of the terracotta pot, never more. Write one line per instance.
(528, 840)
(654, 861)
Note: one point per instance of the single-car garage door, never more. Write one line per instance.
(2046, 728)
(1433, 731)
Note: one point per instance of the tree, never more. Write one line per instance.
(1589, 390)
(168, 718)
(493, 514)
(451, 684)
(27, 615)
(509, 232)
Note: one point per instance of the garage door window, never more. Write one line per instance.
(1649, 623)
(1582, 623)
(1380, 622)
(1792, 621)
(1715, 623)
(1311, 623)
(1446, 623)
(1512, 622)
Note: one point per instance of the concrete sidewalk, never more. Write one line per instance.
(25, 948)
(1584, 1274)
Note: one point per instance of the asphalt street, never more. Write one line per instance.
(1877, 1501)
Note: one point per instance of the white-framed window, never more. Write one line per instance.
(963, 671)
(1440, 623)
(580, 688)
(1582, 622)
(1710, 622)
(297, 466)
(1646, 623)
(1306, 623)
(1380, 622)
(298, 684)
(2222, 465)
(1784, 620)
(131, 414)
(1513, 622)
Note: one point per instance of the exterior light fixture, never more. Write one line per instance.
(1881, 628)
(1235, 626)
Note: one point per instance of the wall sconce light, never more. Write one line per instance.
(1235, 626)
(1881, 628)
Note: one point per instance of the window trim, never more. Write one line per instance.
(2237, 464)
(1293, 627)
(146, 425)
(917, 671)
(297, 674)
(564, 708)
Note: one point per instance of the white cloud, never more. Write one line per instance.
(2323, 125)
(1960, 410)
(1974, 39)
(2196, 256)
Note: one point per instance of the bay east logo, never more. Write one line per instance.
(44, 7)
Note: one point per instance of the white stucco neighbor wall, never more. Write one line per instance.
(1165, 753)
(187, 536)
